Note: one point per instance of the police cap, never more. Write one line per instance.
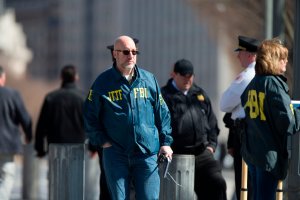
(184, 67)
(247, 44)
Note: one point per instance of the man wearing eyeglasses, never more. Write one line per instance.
(104, 193)
(195, 129)
(126, 115)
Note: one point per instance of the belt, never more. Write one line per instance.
(239, 122)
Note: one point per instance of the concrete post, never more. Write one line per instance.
(66, 172)
(268, 19)
(30, 173)
(278, 23)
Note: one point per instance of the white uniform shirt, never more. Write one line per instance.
(231, 98)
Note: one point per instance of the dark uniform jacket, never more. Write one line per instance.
(270, 118)
(194, 125)
(12, 114)
(129, 116)
(61, 118)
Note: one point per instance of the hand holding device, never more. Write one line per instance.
(165, 162)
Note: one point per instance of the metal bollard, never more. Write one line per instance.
(30, 173)
(294, 168)
(182, 169)
(244, 181)
(66, 171)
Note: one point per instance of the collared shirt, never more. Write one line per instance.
(175, 86)
(231, 98)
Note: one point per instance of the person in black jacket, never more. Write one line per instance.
(61, 117)
(12, 114)
(194, 129)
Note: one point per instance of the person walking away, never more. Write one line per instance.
(126, 115)
(12, 115)
(61, 116)
(194, 129)
(61, 121)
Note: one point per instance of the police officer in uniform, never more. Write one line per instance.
(195, 129)
(231, 103)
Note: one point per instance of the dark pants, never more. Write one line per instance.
(209, 182)
(237, 161)
(104, 193)
(264, 183)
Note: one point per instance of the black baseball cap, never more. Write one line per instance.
(111, 47)
(247, 44)
(183, 67)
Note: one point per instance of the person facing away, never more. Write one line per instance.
(231, 104)
(194, 129)
(61, 116)
(12, 115)
(270, 118)
(126, 115)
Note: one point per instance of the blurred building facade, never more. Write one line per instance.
(78, 31)
(60, 32)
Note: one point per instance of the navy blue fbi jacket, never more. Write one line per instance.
(127, 115)
(270, 118)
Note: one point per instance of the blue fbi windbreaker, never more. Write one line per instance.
(127, 115)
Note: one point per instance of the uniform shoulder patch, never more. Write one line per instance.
(200, 97)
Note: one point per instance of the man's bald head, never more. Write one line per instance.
(125, 54)
(123, 40)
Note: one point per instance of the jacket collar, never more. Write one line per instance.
(176, 90)
(282, 81)
(118, 75)
(68, 85)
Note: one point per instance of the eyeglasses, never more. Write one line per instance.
(126, 52)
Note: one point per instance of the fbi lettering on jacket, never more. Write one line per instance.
(116, 95)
